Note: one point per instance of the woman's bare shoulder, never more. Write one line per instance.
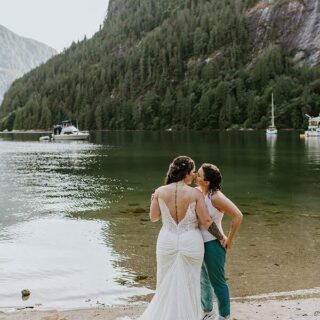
(197, 193)
(219, 200)
(217, 195)
(197, 190)
(162, 189)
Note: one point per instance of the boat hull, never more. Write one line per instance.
(315, 133)
(271, 132)
(80, 136)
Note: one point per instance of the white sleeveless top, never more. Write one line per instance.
(216, 216)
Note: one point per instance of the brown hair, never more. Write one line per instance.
(178, 169)
(213, 175)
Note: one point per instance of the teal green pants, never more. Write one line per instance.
(213, 280)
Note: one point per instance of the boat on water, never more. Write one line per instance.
(66, 131)
(44, 138)
(313, 127)
(272, 130)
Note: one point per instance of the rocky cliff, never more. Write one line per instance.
(294, 24)
(18, 55)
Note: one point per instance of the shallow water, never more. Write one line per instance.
(73, 215)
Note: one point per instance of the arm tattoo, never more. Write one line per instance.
(213, 229)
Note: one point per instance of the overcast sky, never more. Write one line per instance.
(56, 23)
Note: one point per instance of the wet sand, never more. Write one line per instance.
(301, 304)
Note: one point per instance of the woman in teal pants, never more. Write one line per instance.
(212, 274)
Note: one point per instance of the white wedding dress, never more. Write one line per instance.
(180, 253)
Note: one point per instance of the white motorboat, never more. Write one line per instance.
(67, 131)
(44, 138)
(313, 127)
(271, 130)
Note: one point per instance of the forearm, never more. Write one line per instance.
(214, 230)
(234, 227)
(154, 214)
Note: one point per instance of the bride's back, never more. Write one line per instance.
(179, 248)
(177, 196)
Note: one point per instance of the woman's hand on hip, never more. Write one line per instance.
(228, 243)
(223, 242)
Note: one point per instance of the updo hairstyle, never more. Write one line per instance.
(179, 168)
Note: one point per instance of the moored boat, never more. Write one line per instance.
(313, 127)
(67, 131)
(272, 130)
(44, 138)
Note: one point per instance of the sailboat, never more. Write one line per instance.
(272, 129)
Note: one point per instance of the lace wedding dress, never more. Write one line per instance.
(180, 252)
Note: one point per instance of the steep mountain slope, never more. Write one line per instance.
(19, 55)
(186, 64)
(295, 24)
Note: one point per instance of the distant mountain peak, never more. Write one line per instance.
(19, 55)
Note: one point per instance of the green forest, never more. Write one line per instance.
(158, 64)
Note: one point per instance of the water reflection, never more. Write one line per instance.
(49, 178)
(312, 146)
(271, 144)
(63, 262)
(66, 261)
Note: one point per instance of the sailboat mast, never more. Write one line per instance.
(272, 112)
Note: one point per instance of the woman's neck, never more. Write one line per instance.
(204, 190)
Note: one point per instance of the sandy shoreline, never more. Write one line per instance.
(300, 304)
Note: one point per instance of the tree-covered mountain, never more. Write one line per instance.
(185, 64)
(19, 55)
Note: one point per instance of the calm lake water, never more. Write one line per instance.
(73, 215)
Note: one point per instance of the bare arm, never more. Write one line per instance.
(155, 212)
(221, 202)
(204, 217)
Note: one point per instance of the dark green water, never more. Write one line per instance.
(73, 215)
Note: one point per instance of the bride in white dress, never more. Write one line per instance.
(180, 247)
